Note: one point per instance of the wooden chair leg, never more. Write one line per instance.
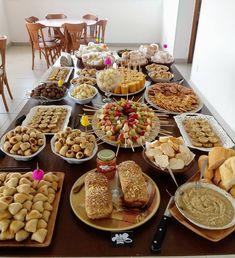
(32, 59)
(47, 58)
(6, 83)
(40, 54)
(3, 96)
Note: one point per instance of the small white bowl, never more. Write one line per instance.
(73, 160)
(82, 101)
(161, 79)
(19, 157)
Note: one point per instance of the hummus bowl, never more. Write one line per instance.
(206, 206)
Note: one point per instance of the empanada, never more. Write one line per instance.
(6, 199)
(4, 224)
(55, 186)
(25, 181)
(51, 177)
(41, 224)
(31, 225)
(51, 198)
(12, 182)
(3, 206)
(16, 225)
(39, 235)
(38, 206)
(5, 215)
(28, 204)
(39, 197)
(43, 189)
(43, 182)
(9, 191)
(20, 197)
(15, 207)
(24, 188)
(21, 214)
(46, 215)
(7, 235)
(33, 214)
(3, 176)
(21, 235)
(28, 175)
(48, 206)
(11, 175)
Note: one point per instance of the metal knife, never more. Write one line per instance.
(161, 230)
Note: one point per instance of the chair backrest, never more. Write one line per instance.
(31, 19)
(56, 16)
(90, 17)
(35, 32)
(100, 30)
(3, 46)
(73, 34)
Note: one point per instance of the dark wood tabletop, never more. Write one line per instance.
(74, 238)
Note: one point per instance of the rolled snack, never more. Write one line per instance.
(79, 155)
(98, 198)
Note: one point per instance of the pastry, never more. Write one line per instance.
(98, 199)
(16, 225)
(133, 184)
(21, 235)
(39, 235)
(15, 207)
(31, 225)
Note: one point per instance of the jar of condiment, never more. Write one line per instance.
(106, 163)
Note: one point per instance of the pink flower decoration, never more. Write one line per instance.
(165, 46)
(108, 61)
(38, 174)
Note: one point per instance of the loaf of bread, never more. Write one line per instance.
(98, 198)
(133, 184)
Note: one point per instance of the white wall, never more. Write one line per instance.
(129, 21)
(3, 21)
(183, 29)
(169, 21)
(213, 67)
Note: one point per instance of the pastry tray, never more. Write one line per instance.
(217, 129)
(48, 72)
(51, 223)
(34, 110)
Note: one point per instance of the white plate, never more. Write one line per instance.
(217, 129)
(200, 105)
(48, 72)
(213, 187)
(34, 110)
(147, 83)
(72, 160)
(19, 157)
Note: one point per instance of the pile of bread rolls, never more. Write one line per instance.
(26, 205)
(220, 168)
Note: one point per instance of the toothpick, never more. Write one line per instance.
(132, 148)
(87, 109)
(172, 175)
(132, 98)
(139, 98)
(100, 143)
(117, 149)
(100, 138)
(91, 106)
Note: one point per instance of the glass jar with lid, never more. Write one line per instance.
(106, 163)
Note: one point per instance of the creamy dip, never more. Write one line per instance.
(206, 207)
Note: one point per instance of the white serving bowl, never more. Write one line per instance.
(19, 157)
(73, 160)
(82, 101)
(160, 79)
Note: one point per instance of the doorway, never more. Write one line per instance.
(194, 30)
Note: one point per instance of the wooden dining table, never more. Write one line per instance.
(57, 23)
(73, 238)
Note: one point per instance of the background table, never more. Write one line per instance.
(57, 23)
(73, 238)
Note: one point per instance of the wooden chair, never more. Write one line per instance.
(50, 50)
(57, 32)
(3, 76)
(90, 29)
(99, 34)
(75, 35)
(31, 19)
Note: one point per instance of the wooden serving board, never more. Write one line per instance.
(51, 223)
(212, 235)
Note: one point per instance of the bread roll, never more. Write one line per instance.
(227, 173)
(98, 199)
(218, 155)
(133, 184)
